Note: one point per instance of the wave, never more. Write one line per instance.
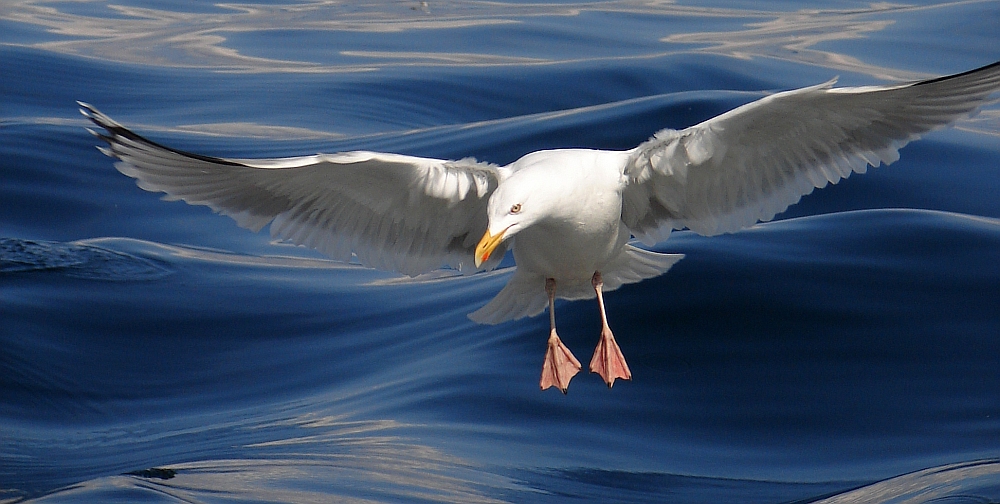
(388, 469)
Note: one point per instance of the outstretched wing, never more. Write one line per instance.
(393, 212)
(754, 161)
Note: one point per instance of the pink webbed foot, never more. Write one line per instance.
(560, 365)
(608, 360)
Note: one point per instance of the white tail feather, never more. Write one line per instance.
(524, 294)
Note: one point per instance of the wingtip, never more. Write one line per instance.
(86, 109)
(96, 116)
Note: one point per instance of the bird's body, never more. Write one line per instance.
(576, 195)
(568, 215)
(583, 229)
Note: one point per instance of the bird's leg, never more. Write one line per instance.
(608, 360)
(560, 366)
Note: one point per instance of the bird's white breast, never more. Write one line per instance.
(583, 229)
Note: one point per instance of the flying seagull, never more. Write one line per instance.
(568, 215)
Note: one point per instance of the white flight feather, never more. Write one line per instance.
(752, 162)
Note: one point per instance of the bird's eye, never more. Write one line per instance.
(515, 208)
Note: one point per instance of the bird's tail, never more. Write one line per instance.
(635, 264)
(524, 294)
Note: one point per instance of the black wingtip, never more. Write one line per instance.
(116, 131)
(97, 117)
(985, 69)
(86, 109)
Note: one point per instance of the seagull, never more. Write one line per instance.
(570, 217)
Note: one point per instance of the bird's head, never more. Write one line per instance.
(510, 210)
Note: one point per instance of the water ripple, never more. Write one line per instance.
(965, 482)
(77, 260)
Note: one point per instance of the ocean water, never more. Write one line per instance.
(151, 351)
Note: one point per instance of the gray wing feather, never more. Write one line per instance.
(751, 163)
(393, 212)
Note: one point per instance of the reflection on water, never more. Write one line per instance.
(210, 38)
(78, 260)
(318, 459)
(977, 481)
(793, 36)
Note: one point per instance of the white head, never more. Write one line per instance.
(551, 184)
(516, 204)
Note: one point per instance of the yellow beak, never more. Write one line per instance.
(487, 245)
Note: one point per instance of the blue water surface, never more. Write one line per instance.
(152, 351)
